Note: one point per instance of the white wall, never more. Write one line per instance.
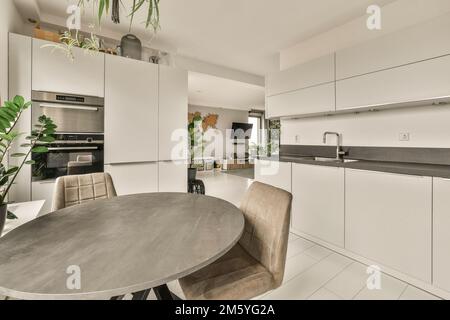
(395, 16)
(225, 121)
(10, 21)
(428, 127)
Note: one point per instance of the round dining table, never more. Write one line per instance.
(105, 249)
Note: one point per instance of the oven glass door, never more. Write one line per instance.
(65, 160)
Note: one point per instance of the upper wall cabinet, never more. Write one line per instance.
(173, 110)
(420, 42)
(314, 100)
(53, 71)
(306, 75)
(425, 80)
(131, 111)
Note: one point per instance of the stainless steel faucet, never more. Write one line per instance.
(339, 152)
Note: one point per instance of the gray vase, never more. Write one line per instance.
(3, 215)
(131, 47)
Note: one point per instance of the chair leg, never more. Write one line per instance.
(163, 293)
(141, 295)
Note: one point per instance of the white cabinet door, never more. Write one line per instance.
(274, 173)
(441, 233)
(43, 190)
(320, 99)
(53, 71)
(419, 81)
(420, 42)
(173, 176)
(312, 73)
(318, 204)
(173, 111)
(19, 84)
(388, 220)
(131, 111)
(134, 178)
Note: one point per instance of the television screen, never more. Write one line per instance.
(241, 131)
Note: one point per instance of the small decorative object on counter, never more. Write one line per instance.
(131, 47)
(154, 59)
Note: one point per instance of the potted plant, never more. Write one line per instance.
(41, 135)
(195, 136)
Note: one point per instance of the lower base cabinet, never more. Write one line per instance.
(173, 176)
(43, 190)
(389, 220)
(441, 233)
(134, 178)
(318, 202)
(274, 173)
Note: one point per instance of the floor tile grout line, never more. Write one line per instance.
(315, 263)
(403, 291)
(347, 267)
(323, 286)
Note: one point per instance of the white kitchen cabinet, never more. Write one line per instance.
(20, 84)
(319, 99)
(134, 178)
(43, 190)
(173, 112)
(274, 173)
(388, 220)
(173, 176)
(441, 233)
(312, 73)
(131, 111)
(419, 81)
(318, 203)
(417, 43)
(53, 71)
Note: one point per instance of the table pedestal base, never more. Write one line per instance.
(161, 293)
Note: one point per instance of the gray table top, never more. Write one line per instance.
(123, 245)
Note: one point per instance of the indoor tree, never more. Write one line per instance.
(41, 135)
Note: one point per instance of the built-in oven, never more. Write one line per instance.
(70, 154)
(79, 139)
(71, 113)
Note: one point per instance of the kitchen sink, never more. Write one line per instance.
(320, 159)
(334, 160)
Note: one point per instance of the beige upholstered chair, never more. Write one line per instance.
(73, 190)
(256, 264)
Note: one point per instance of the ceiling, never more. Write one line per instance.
(245, 35)
(210, 91)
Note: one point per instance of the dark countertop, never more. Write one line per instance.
(416, 169)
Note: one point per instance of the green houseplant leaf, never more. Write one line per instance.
(10, 114)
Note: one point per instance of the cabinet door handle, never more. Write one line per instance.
(61, 106)
(72, 148)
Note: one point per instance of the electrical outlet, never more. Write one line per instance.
(404, 136)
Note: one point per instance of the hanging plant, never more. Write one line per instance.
(150, 6)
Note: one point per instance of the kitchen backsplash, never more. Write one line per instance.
(424, 127)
